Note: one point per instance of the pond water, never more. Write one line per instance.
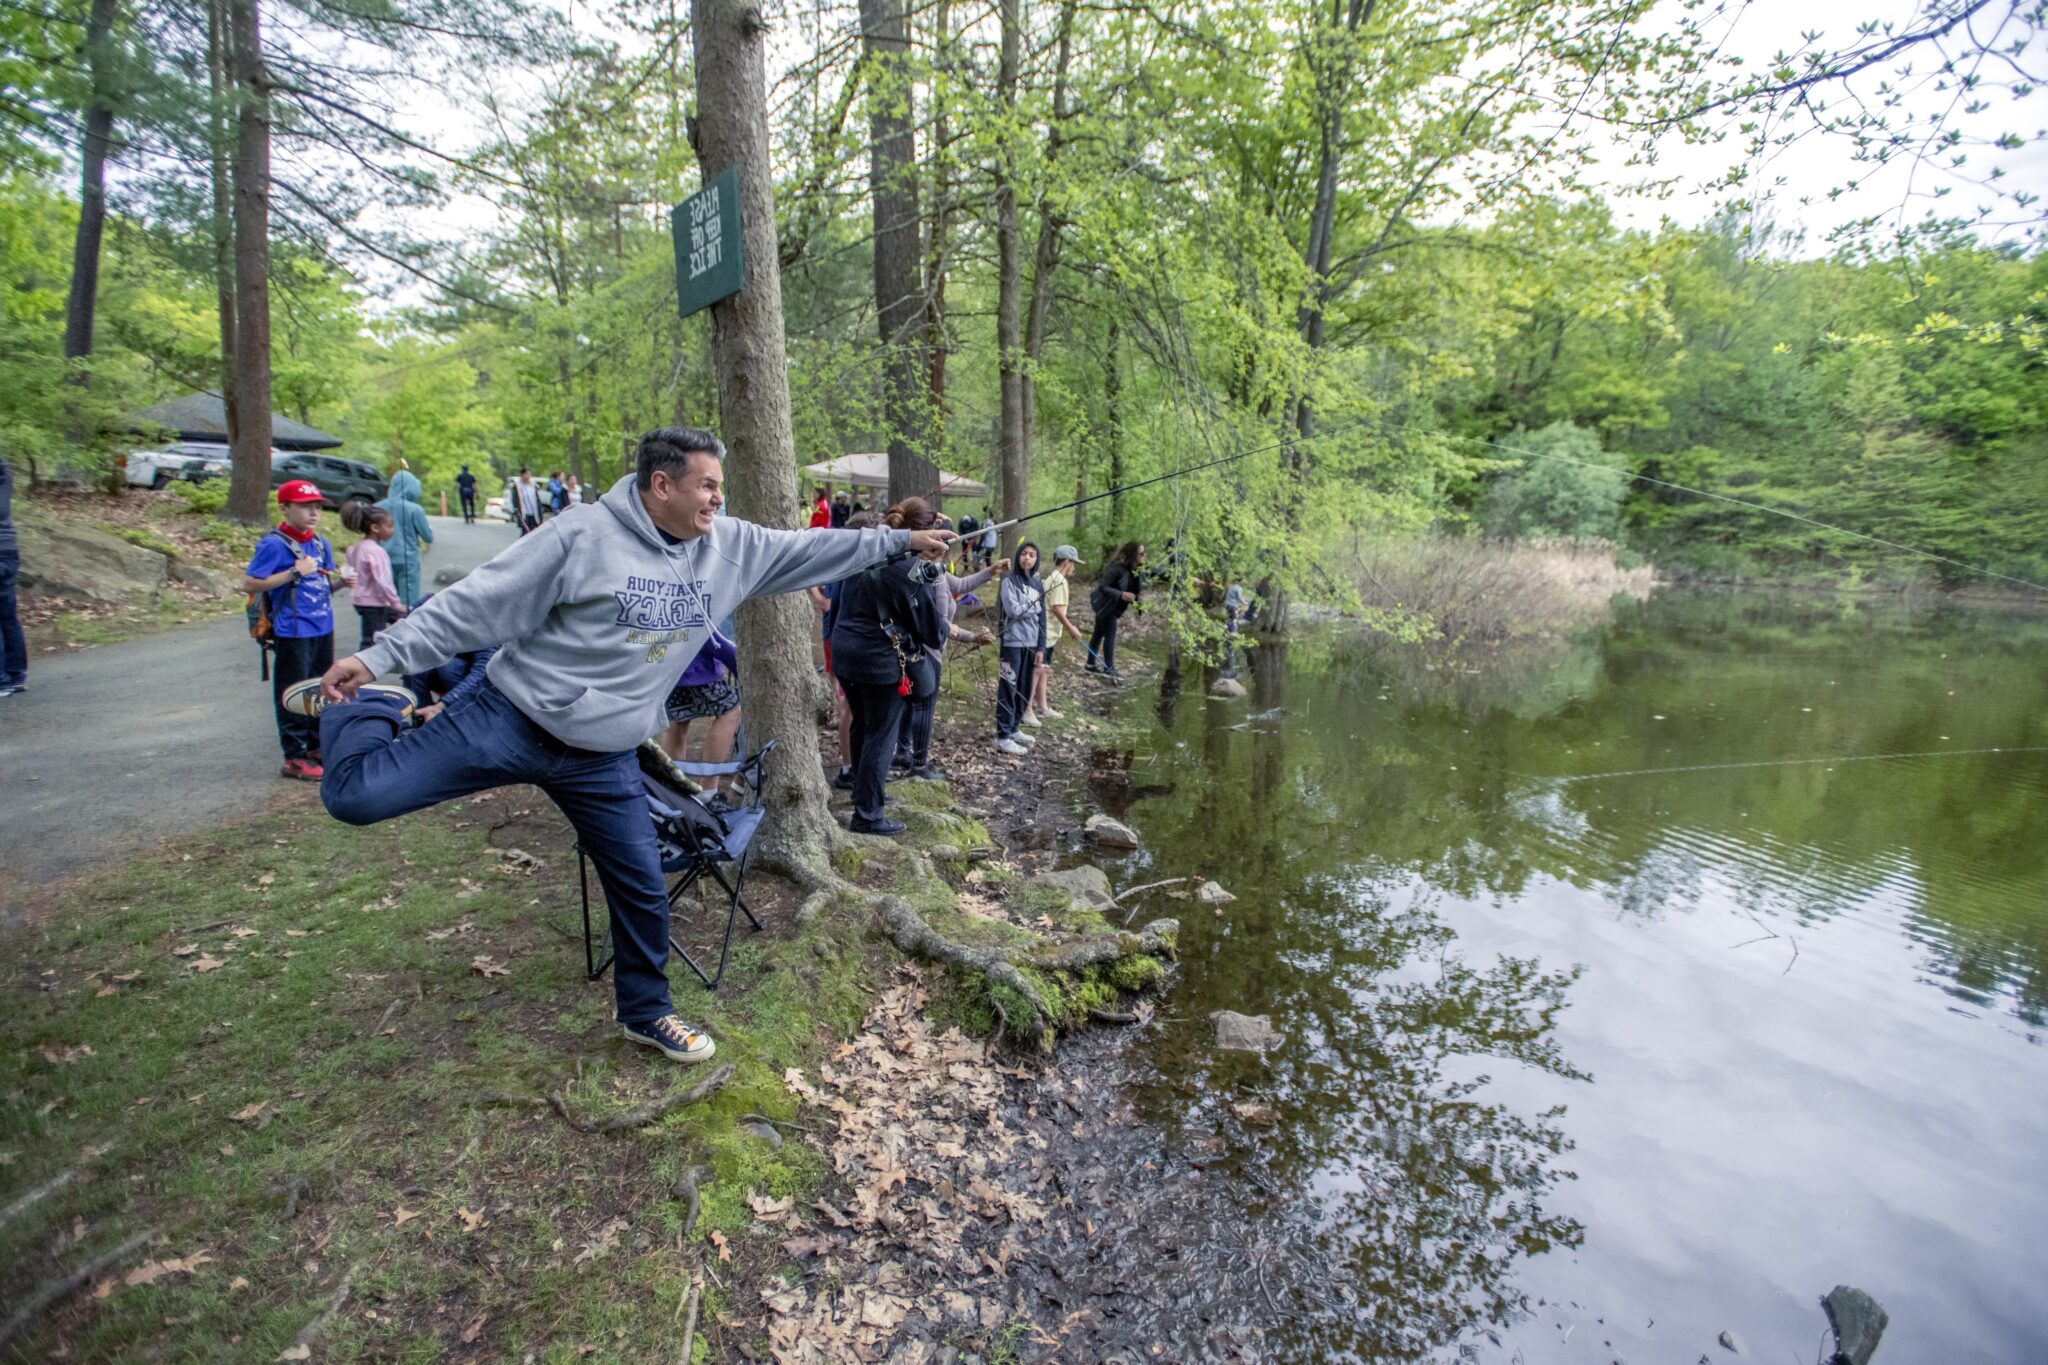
(1635, 989)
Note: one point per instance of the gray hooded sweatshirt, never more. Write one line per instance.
(597, 616)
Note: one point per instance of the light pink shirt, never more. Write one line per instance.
(373, 586)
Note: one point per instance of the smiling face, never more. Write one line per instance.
(684, 500)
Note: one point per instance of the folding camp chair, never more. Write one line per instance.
(695, 842)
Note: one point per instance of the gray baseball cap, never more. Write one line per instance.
(1066, 552)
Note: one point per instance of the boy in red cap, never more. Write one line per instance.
(291, 568)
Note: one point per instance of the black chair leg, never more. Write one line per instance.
(592, 968)
(736, 907)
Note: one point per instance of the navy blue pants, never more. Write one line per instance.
(293, 660)
(13, 648)
(877, 711)
(378, 767)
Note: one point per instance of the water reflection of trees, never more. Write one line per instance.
(1385, 1211)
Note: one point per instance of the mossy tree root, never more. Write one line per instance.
(1008, 971)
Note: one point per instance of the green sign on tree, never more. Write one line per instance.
(710, 264)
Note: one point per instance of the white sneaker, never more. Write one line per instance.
(1047, 713)
(1011, 746)
(306, 698)
(1031, 718)
(1027, 740)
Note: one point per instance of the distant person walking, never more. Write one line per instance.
(409, 523)
(526, 504)
(1065, 560)
(13, 648)
(821, 510)
(465, 484)
(558, 494)
(841, 508)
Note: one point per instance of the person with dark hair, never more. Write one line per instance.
(558, 494)
(842, 508)
(1022, 602)
(526, 502)
(821, 509)
(371, 589)
(914, 740)
(13, 645)
(1117, 589)
(595, 614)
(465, 485)
(881, 630)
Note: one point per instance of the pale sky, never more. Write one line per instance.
(1813, 165)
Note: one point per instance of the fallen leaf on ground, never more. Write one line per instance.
(239, 1282)
(250, 1112)
(603, 1241)
(125, 977)
(469, 1332)
(208, 964)
(70, 1056)
(186, 951)
(718, 1240)
(472, 1221)
(769, 1210)
(266, 879)
(487, 967)
(245, 932)
(151, 1271)
(296, 1353)
(295, 933)
(402, 1215)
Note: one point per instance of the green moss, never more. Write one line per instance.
(1137, 973)
(148, 540)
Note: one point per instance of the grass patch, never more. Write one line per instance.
(197, 1035)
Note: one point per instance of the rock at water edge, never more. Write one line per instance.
(1109, 833)
(1245, 1032)
(1209, 893)
(1085, 886)
(1226, 689)
(1859, 1322)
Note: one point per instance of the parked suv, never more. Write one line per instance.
(194, 461)
(340, 481)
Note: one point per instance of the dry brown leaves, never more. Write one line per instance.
(928, 1162)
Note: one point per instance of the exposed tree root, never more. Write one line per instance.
(302, 1344)
(652, 1110)
(70, 1284)
(37, 1195)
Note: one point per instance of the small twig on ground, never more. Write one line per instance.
(511, 1097)
(1150, 886)
(686, 1188)
(389, 1010)
(37, 1195)
(310, 1333)
(648, 1113)
(293, 1193)
(70, 1284)
(467, 1153)
(690, 1326)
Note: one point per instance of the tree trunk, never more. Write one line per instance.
(92, 194)
(249, 491)
(218, 58)
(1013, 459)
(1050, 225)
(753, 405)
(936, 242)
(1113, 421)
(899, 296)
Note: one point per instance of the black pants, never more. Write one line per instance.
(1015, 669)
(13, 648)
(528, 525)
(469, 507)
(877, 710)
(1102, 644)
(295, 661)
(914, 736)
(374, 619)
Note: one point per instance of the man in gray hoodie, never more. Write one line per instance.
(598, 612)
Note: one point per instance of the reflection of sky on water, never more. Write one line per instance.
(1762, 1096)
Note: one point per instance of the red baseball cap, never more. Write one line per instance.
(298, 490)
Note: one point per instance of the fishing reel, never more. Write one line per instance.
(926, 572)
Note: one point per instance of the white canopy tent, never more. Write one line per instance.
(872, 471)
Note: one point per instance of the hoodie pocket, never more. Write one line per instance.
(541, 708)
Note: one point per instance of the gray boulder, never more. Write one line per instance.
(209, 581)
(1210, 893)
(1245, 1032)
(1086, 886)
(1109, 833)
(77, 561)
(1859, 1322)
(1226, 689)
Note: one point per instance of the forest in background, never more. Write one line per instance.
(1058, 248)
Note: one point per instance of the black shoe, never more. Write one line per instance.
(843, 782)
(878, 827)
(930, 772)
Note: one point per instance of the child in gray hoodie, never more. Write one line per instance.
(597, 612)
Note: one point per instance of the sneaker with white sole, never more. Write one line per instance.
(1010, 746)
(306, 698)
(1025, 738)
(1047, 713)
(1031, 718)
(676, 1040)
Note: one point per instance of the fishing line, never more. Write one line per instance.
(1787, 763)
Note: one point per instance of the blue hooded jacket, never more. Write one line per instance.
(408, 519)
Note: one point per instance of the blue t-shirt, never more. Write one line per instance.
(298, 611)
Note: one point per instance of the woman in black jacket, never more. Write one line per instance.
(885, 617)
(1118, 587)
